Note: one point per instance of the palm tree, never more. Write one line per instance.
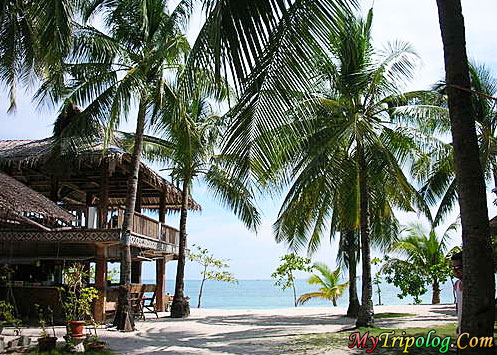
(348, 156)
(479, 283)
(108, 72)
(329, 288)
(426, 253)
(35, 35)
(436, 170)
(189, 135)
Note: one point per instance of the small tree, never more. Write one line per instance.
(284, 274)
(406, 276)
(377, 278)
(213, 269)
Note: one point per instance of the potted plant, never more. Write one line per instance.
(77, 300)
(45, 341)
(7, 316)
(93, 341)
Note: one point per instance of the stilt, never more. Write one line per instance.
(136, 272)
(101, 283)
(160, 277)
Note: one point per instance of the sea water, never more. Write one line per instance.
(262, 294)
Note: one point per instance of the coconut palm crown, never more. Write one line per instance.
(329, 288)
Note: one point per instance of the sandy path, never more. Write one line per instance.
(211, 331)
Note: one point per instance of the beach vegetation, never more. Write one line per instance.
(328, 281)
(213, 269)
(425, 262)
(285, 273)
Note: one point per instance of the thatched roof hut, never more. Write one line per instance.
(33, 162)
(17, 201)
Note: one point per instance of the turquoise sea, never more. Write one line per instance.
(251, 294)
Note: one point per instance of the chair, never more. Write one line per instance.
(136, 300)
(148, 305)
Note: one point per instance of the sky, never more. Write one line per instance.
(256, 255)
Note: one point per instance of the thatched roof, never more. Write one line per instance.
(17, 200)
(18, 154)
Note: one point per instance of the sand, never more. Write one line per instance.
(265, 331)
(214, 331)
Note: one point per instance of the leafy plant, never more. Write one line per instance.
(78, 299)
(284, 274)
(213, 269)
(407, 277)
(7, 316)
(44, 317)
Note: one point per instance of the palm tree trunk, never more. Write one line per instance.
(478, 277)
(180, 307)
(351, 251)
(124, 314)
(435, 299)
(365, 315)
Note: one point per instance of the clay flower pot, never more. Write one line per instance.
(76, 328)
(98, 345)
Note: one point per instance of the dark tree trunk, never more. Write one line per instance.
(180, 307)
(435, 298)
(366, 312)
(478, 277)
(351, 251)
(124, 314)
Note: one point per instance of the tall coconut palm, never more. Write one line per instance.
(329, 288)
(479, 283)
(426, 252)
(189, 134)
(348, 140)
(107, 72)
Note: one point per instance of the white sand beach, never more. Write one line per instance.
(216, 331)
(262, 331)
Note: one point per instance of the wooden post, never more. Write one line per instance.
(160, 277)
(89, 201)
(100, 283)
(54, 189)
(103, 204)
(136, 272)
(162, 207)
(138, 203)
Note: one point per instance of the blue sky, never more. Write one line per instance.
(255, 256)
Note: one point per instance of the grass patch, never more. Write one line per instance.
(320, 343)
(392, 315)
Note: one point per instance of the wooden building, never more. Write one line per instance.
(57, 208)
